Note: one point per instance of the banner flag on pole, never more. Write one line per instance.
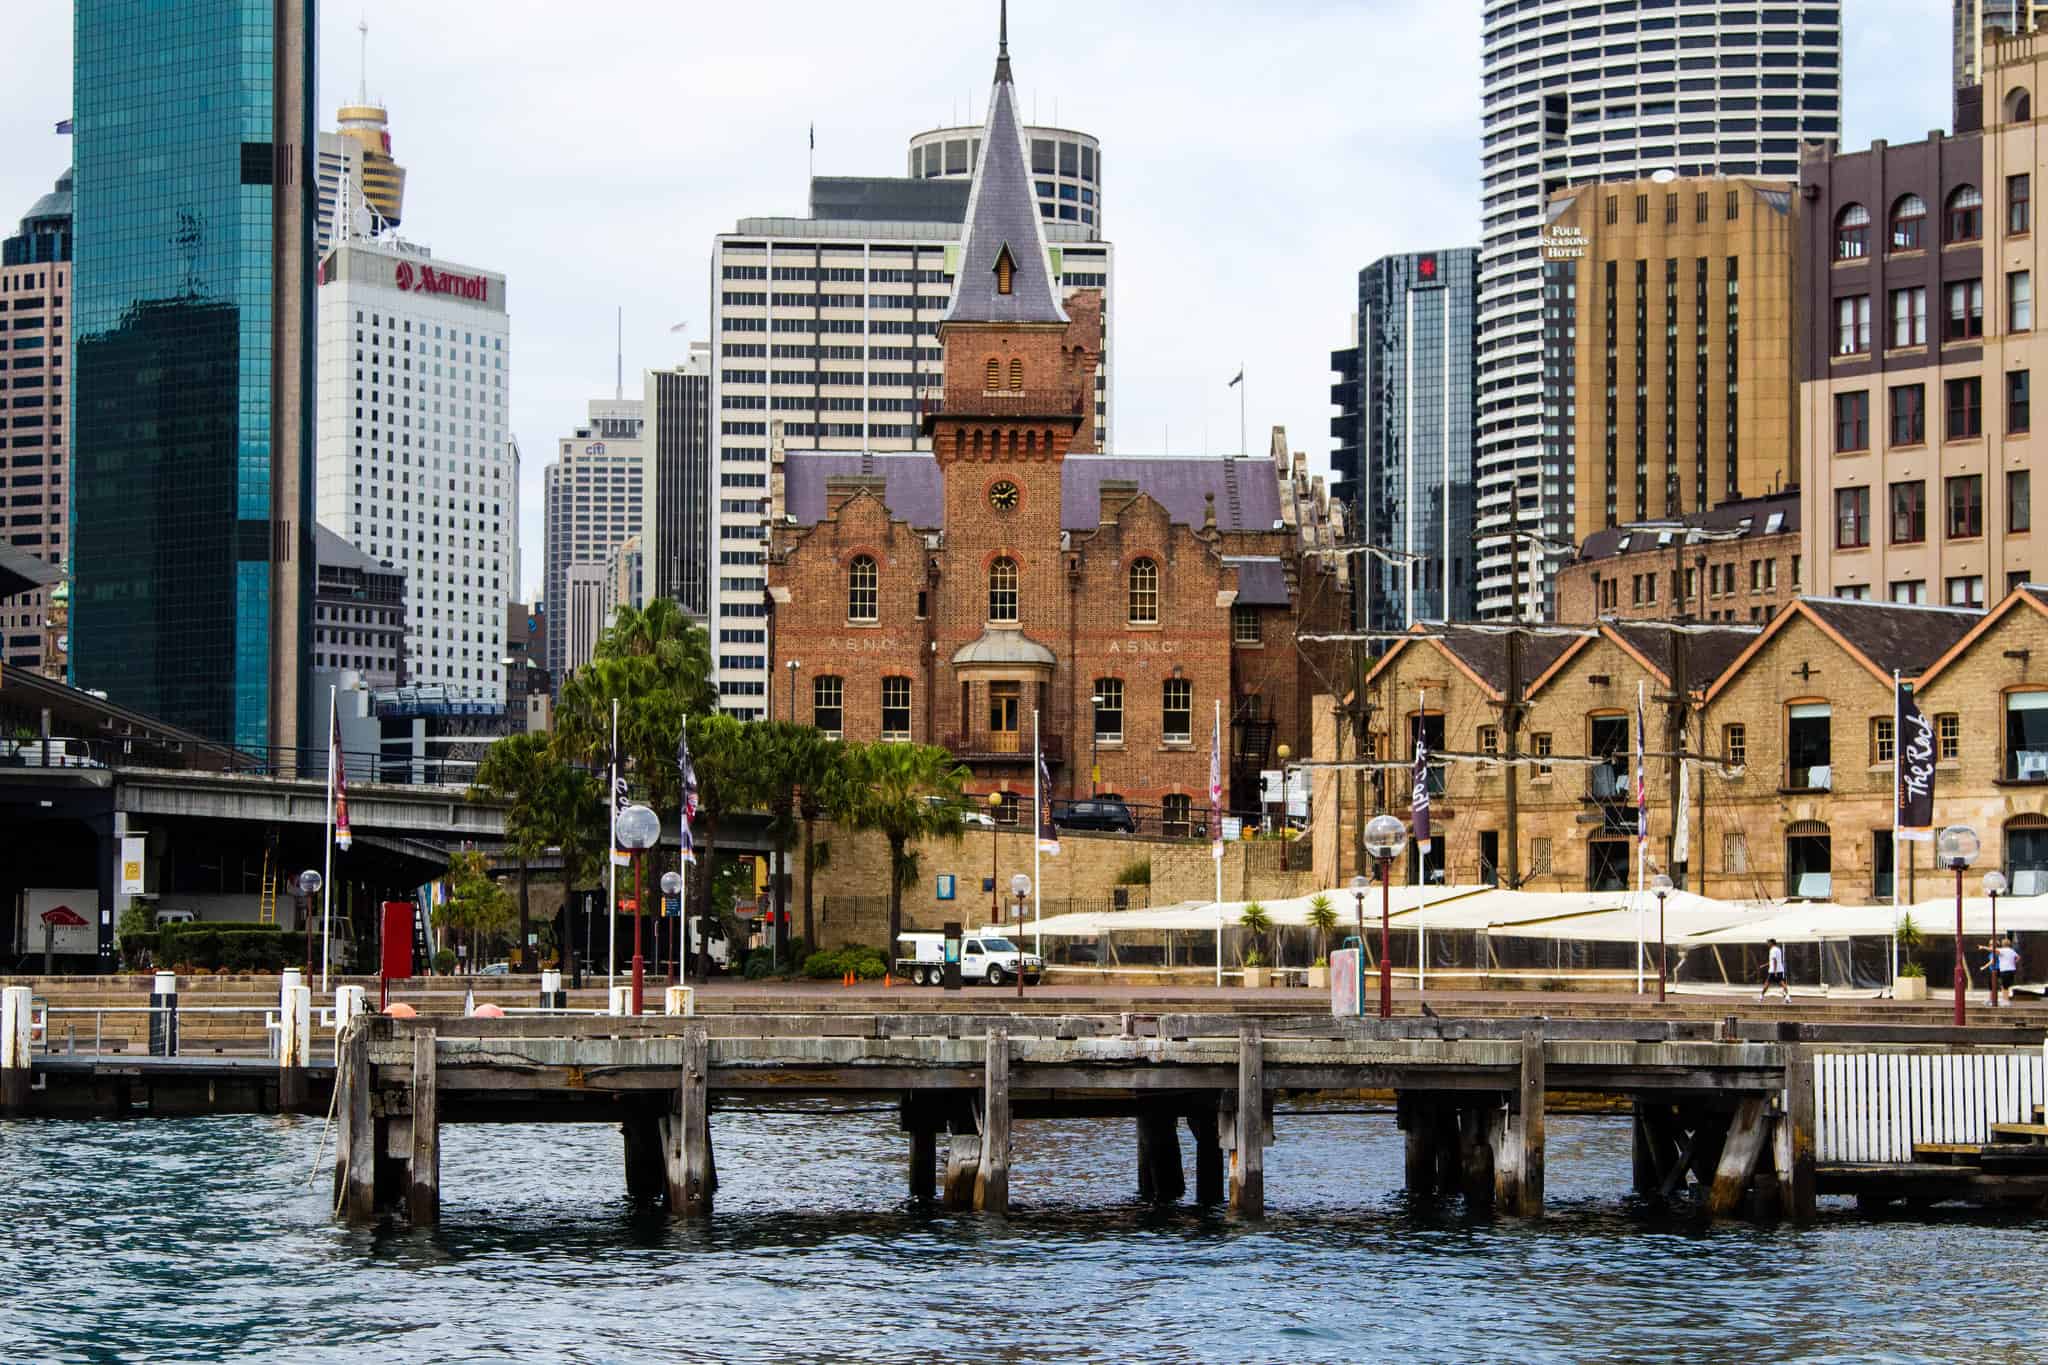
(1216, 787)
(1048, 833)
(1642, 786)
(1418, 799)
(616, 782)
(1913, 740)
(689, 775)
(338, 780)
(1681, 831)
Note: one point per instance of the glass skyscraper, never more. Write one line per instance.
(1403, 462)
(193, 379)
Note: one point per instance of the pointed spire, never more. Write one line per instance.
(1003, 46)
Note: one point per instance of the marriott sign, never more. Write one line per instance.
(424, 279)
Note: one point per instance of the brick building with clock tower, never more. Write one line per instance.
(944, 597)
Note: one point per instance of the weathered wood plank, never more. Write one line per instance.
(1745, 1143)
(1160, 1175)
(1248, 1159)
(992, 1179)
(690, 1179)
(423, 1176)
(358, 1155)
(1535, 1078)
(1799, 1189)
(1209, 1184)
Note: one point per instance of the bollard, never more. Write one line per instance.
(163, 1015)
(16, 1061)
(622, 1000)
(294, 1039)
(679, 1000)
(552, 996)
(349, 1001)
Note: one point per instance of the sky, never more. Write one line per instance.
(1255, 158)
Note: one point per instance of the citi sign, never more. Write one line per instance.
(427, 280)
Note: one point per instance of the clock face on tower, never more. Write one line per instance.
(1002, 495)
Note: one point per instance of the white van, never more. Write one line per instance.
(985, 955)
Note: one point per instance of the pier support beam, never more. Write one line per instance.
(1416, 1113)
(1795, 1158)
(645, 1178)
(1160, 1176)
(17, 1059)
(686, 1136)
(924, 1121)
(355, 1153)
(963, 1160)
(294, 1040)
(992, 1179)
(1248, 1157)
(423, 1182)
(1530, 1119)
(1746, 1137)
(1208, 1154)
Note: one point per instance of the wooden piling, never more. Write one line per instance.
(1160, 1176)
(1416, 1114)
(1746, 1137)
(393, 1143)
(1248, 1163)
(1531, 1124)
(17, 1058)
(423, 1182)
(924, 1159)
(1504, 1137)
(356, 1149)
(646, 1177)
(1796, 1179)
(1208, 1155)
(992, 1179)
(1475, 1155)
(686, 1137)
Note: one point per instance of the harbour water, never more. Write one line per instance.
(204, 1240)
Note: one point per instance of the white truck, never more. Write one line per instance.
(985, 956)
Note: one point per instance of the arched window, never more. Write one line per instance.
(1017, 374)
(1142, 605)
(861, 583)
(2026, 854)
(1965, 214)
(1852, 233)
(828, 704)
(1909, 223)
(1002, 591)
(2019, 105)
(995, 375)
(1808, 860)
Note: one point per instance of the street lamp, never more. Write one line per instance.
(310, 882)
(1956, 849)
(1358, 885)
(1020, 887)
(1385, 837)
(1095, 745)
(995, 911)
(1280, 753)
(1994, 887)
(672, 885)
(639, 829)
(1662, 885)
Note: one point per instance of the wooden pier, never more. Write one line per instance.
(1731, 1113)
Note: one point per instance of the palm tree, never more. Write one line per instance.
(1322, 917)
(732, 775)
(1256, 921)
(814, 773)
(907, 793)
(517, 770)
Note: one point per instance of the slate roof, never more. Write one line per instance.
(1247, 491)
(1002, 211)
(1751, 516)
(1892, 635)
(1486, 653)
(22, 572)
(1712, 650)
(1261, 580)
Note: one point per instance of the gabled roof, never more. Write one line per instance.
(1712, 650)
(1002, 216)
(1882, 636)
(2027, 595)
(1261, 580)
(1482, 656)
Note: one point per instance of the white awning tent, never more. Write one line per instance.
(1814, 922)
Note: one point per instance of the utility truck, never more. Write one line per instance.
(985, 956)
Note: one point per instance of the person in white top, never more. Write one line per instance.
(1774, 974)
(2008, 969)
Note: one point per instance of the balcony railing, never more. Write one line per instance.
(996, 746)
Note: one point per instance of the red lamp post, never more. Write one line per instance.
(1957, 848)
(1385, 837)
(639, 829)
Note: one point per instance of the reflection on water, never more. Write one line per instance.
(202, 1239)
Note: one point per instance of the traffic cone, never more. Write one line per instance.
(887, 980)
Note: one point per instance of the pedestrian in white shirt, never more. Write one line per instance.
(1774, 975)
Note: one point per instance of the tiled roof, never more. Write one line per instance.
(1892, 635)
(1002, 212)
(1247, 493)
(1772, 515)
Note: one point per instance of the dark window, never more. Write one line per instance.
(1965, 214)
(1109, 710)
(1965, 311)
(1177, 710)
(1965, 408)
(1965, 506)
(1909, 512)
(2019, 415)
(2019, 208)
(828, 701)
(1852, 233)
(1909, 223)
(1809, 759)
(1909, 414)
(895, 708)
(2026, 736)
(2019, 500)
(1852, 518)
(1852, 421)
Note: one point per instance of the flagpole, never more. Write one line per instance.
(1037, 846)
(1421, 853)
(327, 875)
(1216, 834)
(1642, 836)
(611, 862)
(1898, 752)
(1243, 446)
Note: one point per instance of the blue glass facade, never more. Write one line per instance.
(1403, 457)
(193, 365)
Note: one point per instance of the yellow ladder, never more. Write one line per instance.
(267, 910)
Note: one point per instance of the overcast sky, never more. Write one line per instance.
(1255, 158)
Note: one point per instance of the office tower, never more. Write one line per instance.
(585, 588)
(625, 578)
(595, 491)
(35, 298)
(827, 332)
(1668, 374)
(1916, 351)
(414, 460)
(526, 674)
(676, 521)
(192, 458)
(1403, 462)
(1976, 21)
(1725, 89)
(359, 619)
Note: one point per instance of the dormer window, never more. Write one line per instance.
(1006, 270)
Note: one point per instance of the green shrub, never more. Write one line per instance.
(1137, 872)
(759, 966)
(444, 961)
(824, 966)
(867, 964)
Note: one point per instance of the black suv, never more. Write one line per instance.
(1101, 813)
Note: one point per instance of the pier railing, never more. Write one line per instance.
(1875, 1103)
